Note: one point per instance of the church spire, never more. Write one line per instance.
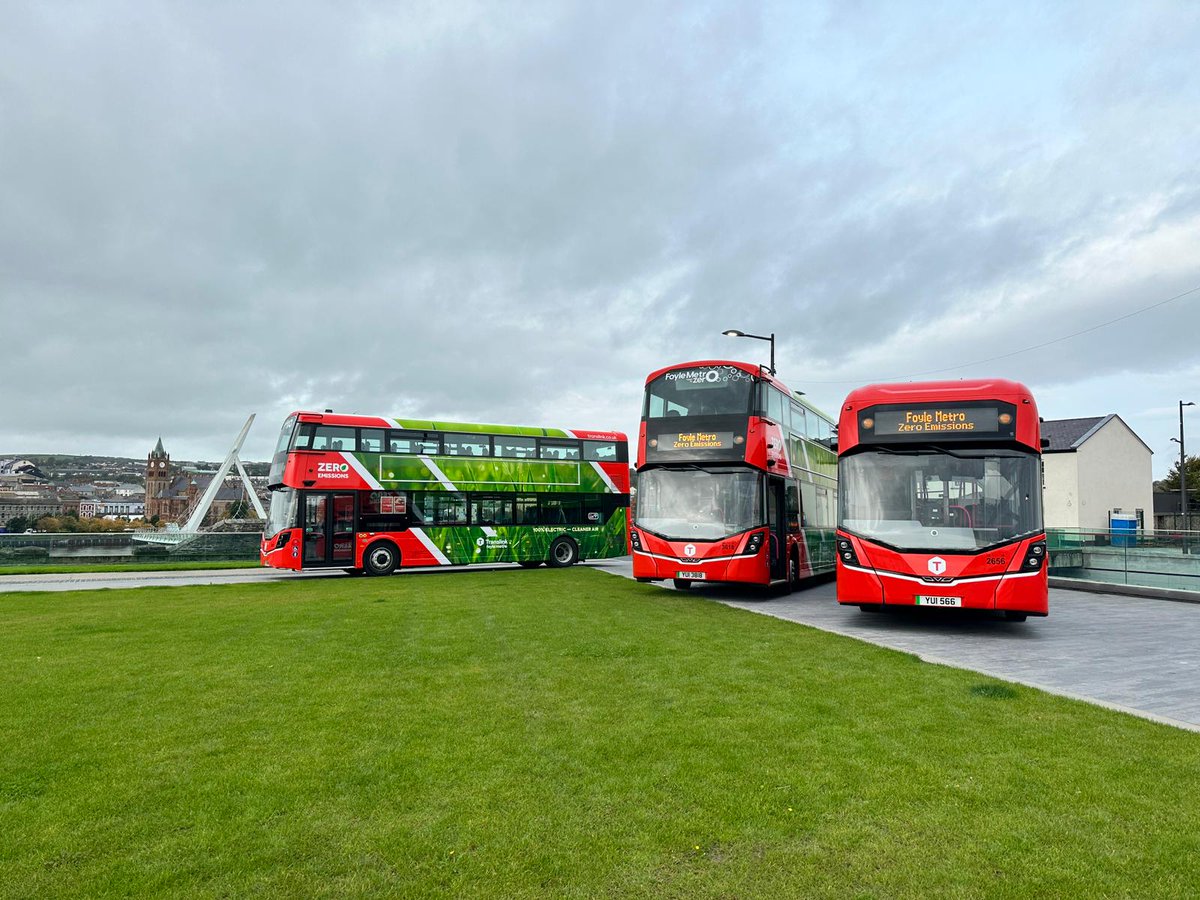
(158, 452)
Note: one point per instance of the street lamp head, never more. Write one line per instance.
(1181, 403)
(732, 332)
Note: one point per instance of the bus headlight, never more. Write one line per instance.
(754, 544)
(1035, 557)
(846, 554)
(635, 539)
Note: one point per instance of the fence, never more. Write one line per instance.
(1156, 559)
(99, 548)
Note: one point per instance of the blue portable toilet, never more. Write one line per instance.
(1124, 529)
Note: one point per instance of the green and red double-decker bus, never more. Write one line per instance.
(736, 481)
(941, 498)
(373, 494)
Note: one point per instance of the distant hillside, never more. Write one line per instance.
(64, 469)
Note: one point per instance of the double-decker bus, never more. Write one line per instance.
(736, 480)
(371, 494)
(940, 488)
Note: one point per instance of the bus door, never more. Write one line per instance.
(777, 545)
(328, 529)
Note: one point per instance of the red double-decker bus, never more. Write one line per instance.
(940, 488)
(736, 480)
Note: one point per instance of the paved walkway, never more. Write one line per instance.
(1137, 655)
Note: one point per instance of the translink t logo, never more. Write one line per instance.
(937, 565)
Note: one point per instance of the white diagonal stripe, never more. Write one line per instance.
(362, 471)
(599, 471)
(437, 473)
(430, 546)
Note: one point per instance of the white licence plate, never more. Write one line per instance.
(691, 576)
(923, 600)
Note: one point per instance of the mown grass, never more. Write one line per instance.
(548, 733)
(59, 569)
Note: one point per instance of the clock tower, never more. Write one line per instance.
(158, 477)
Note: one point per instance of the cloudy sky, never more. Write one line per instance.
(513, 211)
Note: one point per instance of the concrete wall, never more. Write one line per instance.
(1060, 499)
(1114, 470)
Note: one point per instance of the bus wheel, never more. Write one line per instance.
(530, 563)
(381, 559)
(1011, 616)
(563, 553)
(682, 584)
(793, 575)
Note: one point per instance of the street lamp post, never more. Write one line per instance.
(732, 332)
(1183, 504)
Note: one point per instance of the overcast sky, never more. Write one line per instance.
(513, 212)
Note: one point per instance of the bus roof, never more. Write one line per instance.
(917, 391)
(755, 369)
(356, 421)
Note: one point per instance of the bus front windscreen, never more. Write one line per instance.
(700, 391)
(282, 512)
(279, 460)
(931, 499)
(696, 504)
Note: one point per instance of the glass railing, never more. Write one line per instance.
(125, 548)
(1162, 559)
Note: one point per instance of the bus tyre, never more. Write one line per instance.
(682, 584)
(793, 572)
(563, 553)
(381, 559)
(530, 563)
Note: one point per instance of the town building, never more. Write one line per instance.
(1096, 468)
(172, 492)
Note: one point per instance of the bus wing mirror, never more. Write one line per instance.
(833, 444)
(1045, 443)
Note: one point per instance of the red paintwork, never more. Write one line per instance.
(893, 578)
(648, 562)
(1028, 431)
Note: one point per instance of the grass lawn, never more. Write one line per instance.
(561, 733)
(128, 567)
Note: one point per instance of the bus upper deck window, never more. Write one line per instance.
(559, 450)
(600, 451)
(370, 440)
(515, 447)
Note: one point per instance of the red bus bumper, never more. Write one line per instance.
(655, 559)
(1001, 580)
(281, 551)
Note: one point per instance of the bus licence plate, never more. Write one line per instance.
(691, 576)
(925, 600)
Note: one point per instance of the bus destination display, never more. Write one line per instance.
(696, 440)
(941, 420)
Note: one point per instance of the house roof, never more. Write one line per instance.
(1066, 435)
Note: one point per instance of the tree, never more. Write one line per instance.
(17, 524)
(1171, 482)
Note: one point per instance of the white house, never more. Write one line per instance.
(1093, 468)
